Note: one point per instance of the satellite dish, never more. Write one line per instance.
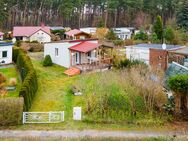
(164, 46)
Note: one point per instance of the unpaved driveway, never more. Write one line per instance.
(89, 134)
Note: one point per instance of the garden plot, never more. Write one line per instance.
(11, 84)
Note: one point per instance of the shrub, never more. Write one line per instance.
(11, 111)
(12, 82)
(2, 78)
(47, 61)
(29, 78)
(129, 42)
(179, 84)
(141, 35)
(18, 43)
(169, 34)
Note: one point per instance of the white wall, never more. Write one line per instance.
(8, 59)
(41, 37)
(138, 54)
(63, 59)
(1, 38)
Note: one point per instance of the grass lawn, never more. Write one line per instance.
(12, 73)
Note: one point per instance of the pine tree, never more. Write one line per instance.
(182, 15)
(158, 28)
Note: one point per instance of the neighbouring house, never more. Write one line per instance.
(32, 33)
(76, 34)
(155, 55)
(89, 30)
(82, 54)
(52, 28)
(5, 53)
(123, 33)
(1, 36)
(180, 56)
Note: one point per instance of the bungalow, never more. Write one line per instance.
(123, 33)
(76, 53)
(155, 55)
(89, 30)
(5, 53)
(32, 33)
(76, 34)
(1, 36)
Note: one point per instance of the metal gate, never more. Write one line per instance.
(43, 117)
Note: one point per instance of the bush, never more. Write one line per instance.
(18, 43)
(142, 35)
(47, 61)
(129, 42)
(29, 78)
(11, 111)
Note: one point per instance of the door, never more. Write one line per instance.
(77, 58)
(77, 113)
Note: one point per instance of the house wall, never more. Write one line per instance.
(1, 38)
(158, 58)
(124, 36)
(138, 54)
(64, 55)
(8, 59)
(79, 36)
(41, 37)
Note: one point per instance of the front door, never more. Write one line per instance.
(77, 58)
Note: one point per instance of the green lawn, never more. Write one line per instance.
(54, 90)
(12, 73)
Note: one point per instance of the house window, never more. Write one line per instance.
(56, 52)
(4, 54)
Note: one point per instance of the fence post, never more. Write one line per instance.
(49, 116)
(23, 118)
(62, 116)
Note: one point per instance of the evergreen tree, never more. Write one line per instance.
(158, 28)
(182, 15)
(169, 34)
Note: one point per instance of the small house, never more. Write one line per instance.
(76, 34)
(77, 53)
(32, 33)
(155, 55)
(89, 30)
(1, 36)
(123, 33)
(5, 53)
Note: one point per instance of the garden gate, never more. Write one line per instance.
(43, 117)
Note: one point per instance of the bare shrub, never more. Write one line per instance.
(2, 78)
(12, 82)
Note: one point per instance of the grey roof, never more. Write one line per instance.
(57, 28)
(158, 46)
(5, 44)
(183, 51)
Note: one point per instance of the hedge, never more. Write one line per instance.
(28, 75)
(11, 111)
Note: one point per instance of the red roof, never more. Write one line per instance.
(74, 32)
(85, 47)
(27, 31)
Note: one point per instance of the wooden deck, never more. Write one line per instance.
(101, 65)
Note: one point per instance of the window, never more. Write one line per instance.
(4, 54)
(56, 52)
